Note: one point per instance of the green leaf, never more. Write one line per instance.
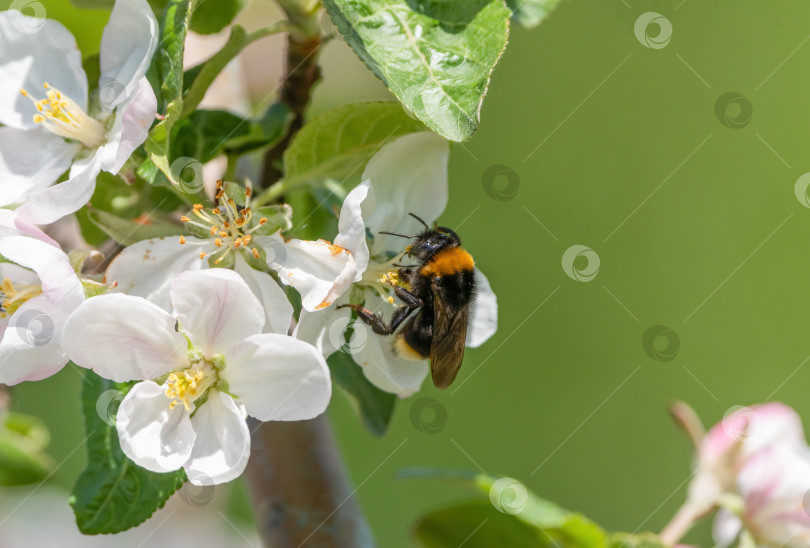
(211, 17)
(474, 524)
(338, 144)
(23, 439)
(436, 56)
(643, 540)
(205, 134)
(530, 13)
(166, 76)
(113, 494)
(198, 79)
(508, 497)
(129, 231)
(374, 406)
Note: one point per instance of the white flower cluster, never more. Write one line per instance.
(209, 345)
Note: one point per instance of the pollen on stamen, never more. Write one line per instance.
(219, 183)
(248, 192)
(223, 234)
(263, 221)
(247, 239)
(218, 242)
(214, 230)
(255, 252)
(216, 211)
(202, 254)
(390, 300)
(219, 194)
(182, 239)
(185, 219)
(237, 242)
(198, 207)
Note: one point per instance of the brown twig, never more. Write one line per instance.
(301, 74)
(300, 489)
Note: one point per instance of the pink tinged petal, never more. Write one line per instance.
(277, 308)
(50, 204)
(11, 224)
(151, 434)
(408, 175)
(59, 282)
(124, 338)
(755, 428)
(319, 271)
(324, 329)
(483, 320)
(222, 448)
(129, 40)
(147, 268)
(30, 349)
(130, 127)
(31, 160)
(352, 228)
(278, 377)
(216, 308)
(36, 51)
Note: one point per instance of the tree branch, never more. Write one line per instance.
(300, 489)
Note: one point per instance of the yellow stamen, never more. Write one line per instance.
(64, 117)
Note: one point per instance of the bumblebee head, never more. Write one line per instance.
(431, 241)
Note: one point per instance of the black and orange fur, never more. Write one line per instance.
(441, 288)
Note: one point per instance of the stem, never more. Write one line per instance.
(681, 523)
(301, 74)
(300, 489)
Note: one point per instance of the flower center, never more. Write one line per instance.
(230, 227)
(61, 115)
(380, 277)
(188, 385)
(13, 297)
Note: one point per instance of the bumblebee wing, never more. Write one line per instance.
(449, 338)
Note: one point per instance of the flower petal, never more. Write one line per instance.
(30, 349)
(483, 321)
(36, 51)
(408, 175)
(380, 364)
(147, 268)
(59, 282)
(11, 224)
(130, 127)
(324, 329)
(278, 377)
(129, 40)
(217, 308)
(54, 202)
(124, 338)
(31, 160)
(352, 228)
(277, 308)
(726, 528)
(318, 270)
(151, 434)
(222, 448)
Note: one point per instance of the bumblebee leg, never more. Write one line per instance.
(410, 300)
(375, 320)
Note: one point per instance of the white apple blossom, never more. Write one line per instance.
(408, 175)
(146, 268)
(38, 290)
(203, 370)
(46, 128)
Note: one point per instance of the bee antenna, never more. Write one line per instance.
(420, 220)
(397, 234)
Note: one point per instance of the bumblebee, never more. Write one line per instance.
(440, 289)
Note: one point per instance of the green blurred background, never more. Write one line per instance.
(617, 147)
